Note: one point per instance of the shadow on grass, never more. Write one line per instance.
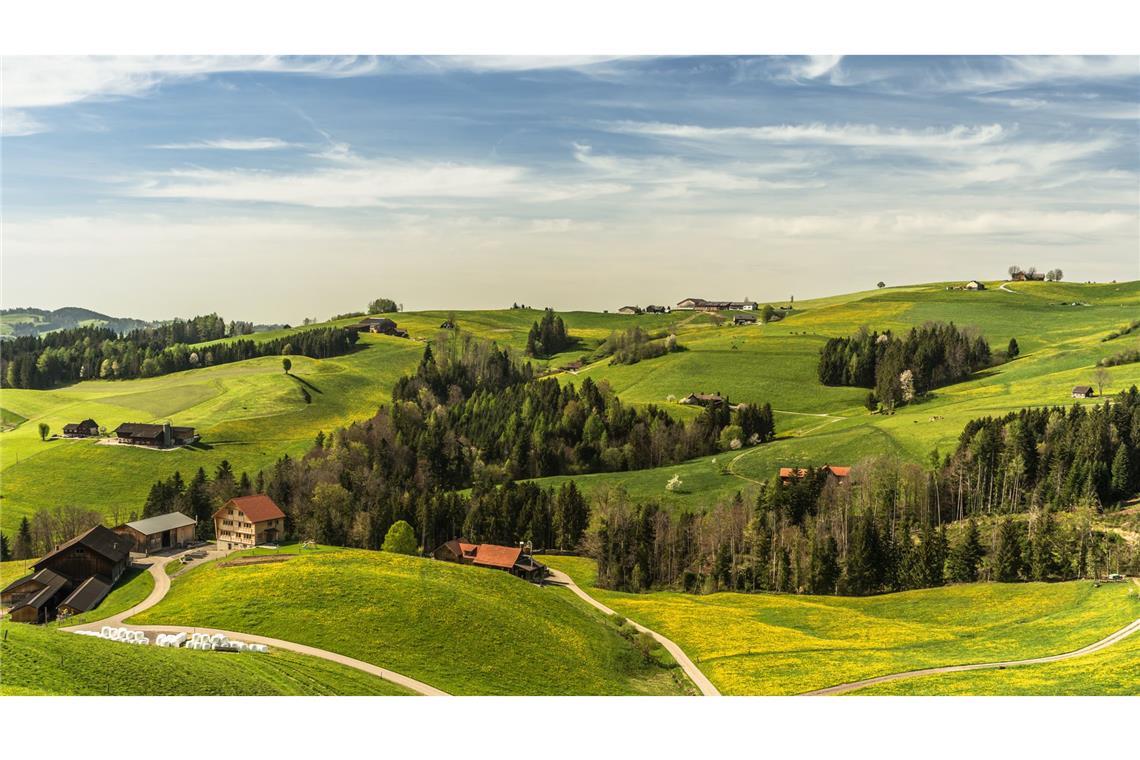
(306, 383)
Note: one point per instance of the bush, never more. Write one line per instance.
(400, 539)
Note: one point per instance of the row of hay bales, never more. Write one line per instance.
(204, 642)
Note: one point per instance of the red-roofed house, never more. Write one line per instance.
(509, 558)
(835, 473)
(247, 521)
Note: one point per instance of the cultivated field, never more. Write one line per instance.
(773, 644)
(462, 629)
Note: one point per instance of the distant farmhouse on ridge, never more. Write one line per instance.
(700, 304)
(379, 326)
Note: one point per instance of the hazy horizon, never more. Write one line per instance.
(270, 189)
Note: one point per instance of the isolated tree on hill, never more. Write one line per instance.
(766, 313)
(382, 306)
(881, 284)
(287, 364)
(400, 539)
(44, 430)
(1013, 349)
(23, 549)
(1102, 377)
(1058, 275)
(1014, 270)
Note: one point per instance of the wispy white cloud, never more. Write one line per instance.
(36, 82)
(1013, 72)
(854, 135)
(256, 143)
(504, 63)
(15, 123)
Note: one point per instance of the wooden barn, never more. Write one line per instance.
(89, 428)
(248, 521)
(834, 473)
(702, 399)
(173, 529)
(1083, 391)
(162, 436)
(72, 578)
(509, 558)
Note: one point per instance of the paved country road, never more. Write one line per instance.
(691, 670)
(1108, 641)
(162, 586)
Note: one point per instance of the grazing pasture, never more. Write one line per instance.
(777, 644)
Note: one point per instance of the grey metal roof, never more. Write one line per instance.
(160, 523)
(88, 595)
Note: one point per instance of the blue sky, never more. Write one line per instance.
(277, 188)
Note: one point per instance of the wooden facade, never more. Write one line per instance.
(169, 531)
(248, 521)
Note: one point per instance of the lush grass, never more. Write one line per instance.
(463, 629)
(1114, 671)
(765, 644)
(46, 661)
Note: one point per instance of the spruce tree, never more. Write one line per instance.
(1007, 559)
(966, 556)
(5, 550)
(24, 548)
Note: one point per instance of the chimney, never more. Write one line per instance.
(167, 435)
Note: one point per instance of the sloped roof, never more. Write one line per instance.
(52, 583)
(490, 555)
(43, 577)
(257, 508)
(160, 523)
(148, 430)
(88, 595)
(1082, 388)
(100, 539)
(838, 470)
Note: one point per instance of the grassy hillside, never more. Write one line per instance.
(1112, 672)
(783, 644)
(463, 629)
(251, 412)
(47, 661)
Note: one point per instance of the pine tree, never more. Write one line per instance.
(5, 550)
(824, 566)
(1121, 478)
(1007, 559)
(1013, 349)
(24, 548)
(965, 557)
(861, 555)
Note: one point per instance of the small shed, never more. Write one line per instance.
(173, 529)
(1083, 391)
(975, 285)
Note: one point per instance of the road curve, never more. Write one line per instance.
(1108, 641)
(162, 586)
(691, 670)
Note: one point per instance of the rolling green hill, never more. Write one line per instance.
(251, 412)
(46, 661)
(768, 644)
(463, 629)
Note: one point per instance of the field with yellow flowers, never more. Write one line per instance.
(768, 644)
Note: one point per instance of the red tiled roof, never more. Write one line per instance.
(257, 508)
(839, 472)
(490, 555)
(789, 472)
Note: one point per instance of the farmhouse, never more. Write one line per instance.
(248, 521)
(1020, 276)
(162, 436)
(700, 304)
(702, 399)
(380, 326)
(74, 577)
(629, 310)
(1083, 391)
(975, 285)
(834, 473)
(86, 429)
(744, 319)
(509, 558)
(173, 529)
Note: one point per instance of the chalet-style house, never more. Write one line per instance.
(744, 319)
(700, 304)
(975, 285)
(1083, 391)
(171, 530)
(162, 436)
(380, 326)
(89, 428)
(629, 310)
(834, 473)
(73, 578)
(509, 558)
(702, 399)
(248, 521)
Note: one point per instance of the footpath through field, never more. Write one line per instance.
(162, 586)
(1108, 641)
(691, 670)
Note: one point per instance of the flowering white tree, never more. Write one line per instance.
(674, 483)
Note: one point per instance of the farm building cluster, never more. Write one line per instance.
(164, 436)
(837, 474)
(700, 304)
(379, 326)
(509, 558)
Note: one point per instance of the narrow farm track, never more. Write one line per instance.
(831, 419)
(162, 587)
(691, 670)
(1108, 641)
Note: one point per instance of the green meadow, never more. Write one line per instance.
(776, 644)
(45, 661)
(251, 412)
(463, 629)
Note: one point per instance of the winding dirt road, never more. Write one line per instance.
(1108, 641)
(691, 670)
(162, 586)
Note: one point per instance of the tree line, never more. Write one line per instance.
(901, 369)
(85, 353)
(635, 344)
(548, 336)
